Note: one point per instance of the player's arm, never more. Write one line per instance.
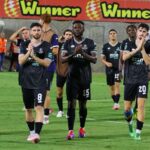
(92, 58)
(65, 57)
(14, 35)
(103, 56)
(92, 55)
(146, 52)
(47, 57)
(23, 58)
(103, 60)
(24, 53)
(146, 57)
(128, 54)
(55, 44)
(44, 62)
(120, 61)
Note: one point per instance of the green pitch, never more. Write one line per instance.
(106, 128)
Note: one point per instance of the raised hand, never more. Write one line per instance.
(78, 49)
(108, 64)
(140, 43)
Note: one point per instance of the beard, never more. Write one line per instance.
(37, 36)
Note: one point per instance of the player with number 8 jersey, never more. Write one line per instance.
(35, 56)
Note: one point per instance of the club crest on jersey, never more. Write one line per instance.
(40, 51)
(78, 56)
(118, 49)
(72, 46)
(84, 47)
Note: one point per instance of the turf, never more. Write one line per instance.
(106, 128)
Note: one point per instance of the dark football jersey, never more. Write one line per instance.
(32, 74)
(79, 67)
(135, 71)
(112, 55)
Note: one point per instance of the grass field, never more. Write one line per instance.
(106, 128)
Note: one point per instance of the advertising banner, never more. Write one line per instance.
(90, 10)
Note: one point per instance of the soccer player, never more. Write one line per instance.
(34, 57)
(49, 35)
(16, 41)
(131, 32)
(61, 70)
(136, 59)
(110, 57)
(79, 52)
(24, 31)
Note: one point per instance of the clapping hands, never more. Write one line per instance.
(140, 43)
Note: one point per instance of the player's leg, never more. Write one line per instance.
(28, 99)
(46, 108)
(117, 95)
(15, 62)
(115, 81)
(129, 96)
(71, 118)
(60, 84)
(111, 83)
(117, 90)
(83, 115)
(39, 96)
(142, 95)
(49, 78)
(84, 95)
(72, 91)
(135, 108)
(128, 113)
(60, 102)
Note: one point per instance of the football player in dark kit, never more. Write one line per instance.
(136, 59)
(34, 57)
(110, 57)
(126, 44)
(61, 72)
(79, 52)
(131, 31)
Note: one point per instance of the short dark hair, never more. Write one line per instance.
(78, 21)
(67, 30)
(35, 24)
(130, 26)
(112, 30)
(143, 25)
